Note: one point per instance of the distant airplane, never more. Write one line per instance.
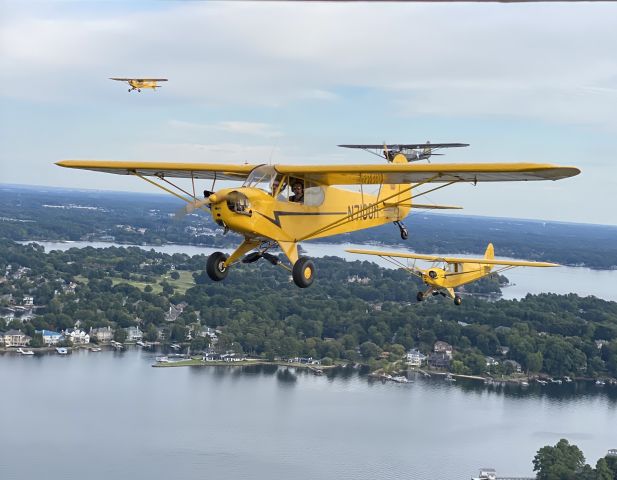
(139, 83)
(447, 273)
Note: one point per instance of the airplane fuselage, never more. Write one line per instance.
(325, 211)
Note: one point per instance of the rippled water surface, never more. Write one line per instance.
(111, 415)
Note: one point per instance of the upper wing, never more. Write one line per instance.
(437, 258)
(139, 79)
(341, 174)
(218, 171)
(406, 146)
(432, 173)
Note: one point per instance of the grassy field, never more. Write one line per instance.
(181, 285)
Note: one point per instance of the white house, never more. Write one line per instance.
(102, 334)
(443, 347)
(415, 357)
(49, 337)
(134, 334)
(16, 338)
(78, 337)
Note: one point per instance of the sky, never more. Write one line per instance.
(280, 82)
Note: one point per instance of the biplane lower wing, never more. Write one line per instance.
(437, 258)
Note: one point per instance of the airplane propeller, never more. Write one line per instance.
(192, 206)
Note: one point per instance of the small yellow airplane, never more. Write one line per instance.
(139, 83)
(265, 213)
(447, 273)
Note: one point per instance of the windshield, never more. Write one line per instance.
(261, 177)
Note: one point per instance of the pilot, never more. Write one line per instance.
(298, 192)
(275, 187)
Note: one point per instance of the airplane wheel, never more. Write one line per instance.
(404, 233)
(420, 296)
(457, 300)
(303, 272)
(215, 267)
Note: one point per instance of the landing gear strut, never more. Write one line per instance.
(403, 229)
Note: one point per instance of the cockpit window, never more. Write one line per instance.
(261, 177)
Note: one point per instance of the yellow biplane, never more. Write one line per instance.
(447, 273)
(265, 213)
(139, 83)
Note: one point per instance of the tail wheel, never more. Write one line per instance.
(457, 300)
(303, 272)
(215, 267)
(404, 233)
(420, 296)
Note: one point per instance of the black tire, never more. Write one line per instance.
(303, 272)
(420, 296)
(457, 300)
(404, 233)
(215, 267)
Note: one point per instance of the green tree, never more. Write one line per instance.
(37, 341)
(561, 462)
(533, 361)
(120, 335)
(603, 471)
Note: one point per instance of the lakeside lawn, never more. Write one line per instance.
(180, 286)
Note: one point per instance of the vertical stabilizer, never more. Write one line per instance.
(490, 252)
(397, 197)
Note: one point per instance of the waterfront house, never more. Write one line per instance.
(16, 338)
(102, 334)
(415, 357)
(77, 337)
(439, 360)
(443, 347)
(49, 337)
(491, 362)
(134, 334)
(486, 474)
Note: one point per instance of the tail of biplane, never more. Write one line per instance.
(396, 196)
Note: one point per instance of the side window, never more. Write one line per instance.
(313, 194)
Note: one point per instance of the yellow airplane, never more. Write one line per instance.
(264, 212)
(447, 273)
(139, 83)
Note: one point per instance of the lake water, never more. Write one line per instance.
(111, 415)
(561, 280)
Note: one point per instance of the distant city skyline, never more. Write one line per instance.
(284, 82)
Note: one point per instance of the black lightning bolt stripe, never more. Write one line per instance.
(278, 214)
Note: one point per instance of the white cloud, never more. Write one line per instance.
(534, 59)
(256, 129)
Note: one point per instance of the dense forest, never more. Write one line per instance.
(54, 214)
(355, 311)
